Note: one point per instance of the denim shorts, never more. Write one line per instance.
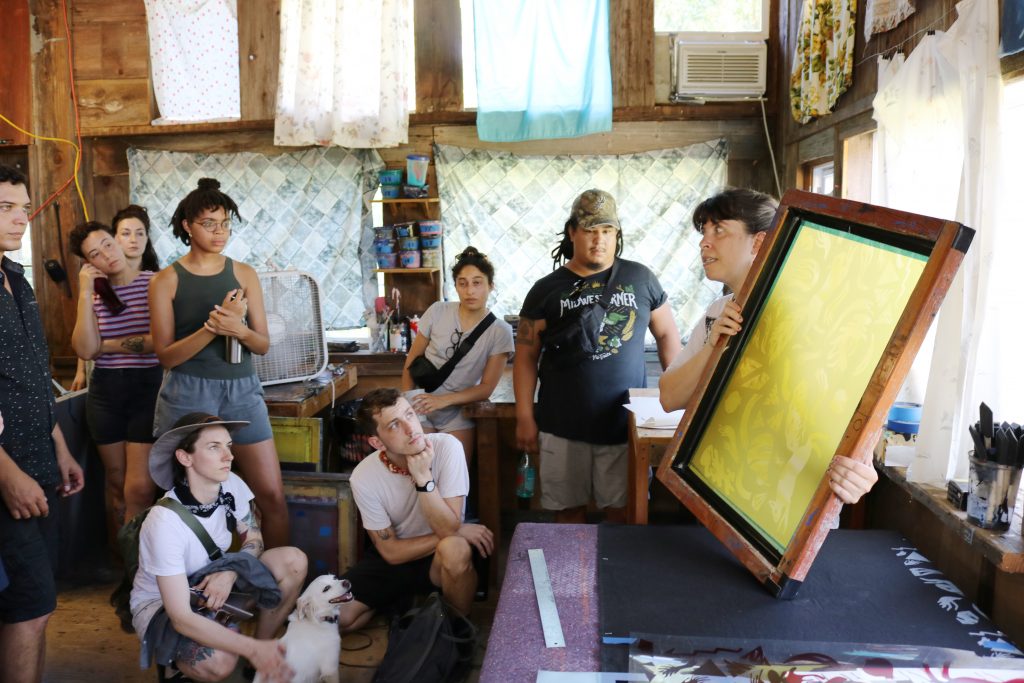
(120, 404)
(229, 399)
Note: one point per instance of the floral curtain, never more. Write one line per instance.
(300, 210)
(513, 208)
(823, 63)
(343, 77)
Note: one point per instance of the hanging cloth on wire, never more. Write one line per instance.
(193, 53)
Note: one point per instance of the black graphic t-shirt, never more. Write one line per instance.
(584, 402)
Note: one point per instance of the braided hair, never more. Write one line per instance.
(206, 197)
(139, 213)
(564, 251)
(470, 256)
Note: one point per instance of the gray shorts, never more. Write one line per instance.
(571, 472)
(230, 399)
(446, 420)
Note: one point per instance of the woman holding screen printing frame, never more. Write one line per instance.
(734, 224)
(197, 304)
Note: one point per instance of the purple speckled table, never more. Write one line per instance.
(515, 649)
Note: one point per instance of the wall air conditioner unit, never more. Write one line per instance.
(719, 70)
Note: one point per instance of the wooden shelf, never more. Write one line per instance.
(406, 270)
(407, 200)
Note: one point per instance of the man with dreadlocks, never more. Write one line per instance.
(588, 317)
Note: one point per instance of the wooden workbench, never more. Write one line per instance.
(646, 447)
(306, 399)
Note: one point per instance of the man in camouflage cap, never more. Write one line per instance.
(593, 353)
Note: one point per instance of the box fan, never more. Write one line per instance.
(298, 347)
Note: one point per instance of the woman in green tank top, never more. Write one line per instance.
(199, 306)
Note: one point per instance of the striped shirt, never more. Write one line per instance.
(133, 320)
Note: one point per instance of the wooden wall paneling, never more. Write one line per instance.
(259, 40)
(107, 49)
(631, 28)
(51, 164)
(106, 10)
(662, 61)
(113, 102)
(746, 138)
(15, 88)
(438, 45)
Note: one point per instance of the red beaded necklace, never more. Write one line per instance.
(392, 467)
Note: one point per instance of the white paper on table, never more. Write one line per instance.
(650, 415)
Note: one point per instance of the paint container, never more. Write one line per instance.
(430, 227)
(409, 243)
(390, 176)
(390, 191)
(416, 169)
(431, 258)
(387, 260)
(415, 191)
(430, 242)
(410, 259)
(384, 232)
(992, 492)
(407, 229)
(384, 247)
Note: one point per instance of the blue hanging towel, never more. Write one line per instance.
(543, 69)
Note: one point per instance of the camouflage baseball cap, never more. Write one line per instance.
(594, 207)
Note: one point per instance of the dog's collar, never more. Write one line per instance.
(331, 619)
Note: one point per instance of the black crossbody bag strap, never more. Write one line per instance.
(606, 296)
(464, 348)
(214, 552)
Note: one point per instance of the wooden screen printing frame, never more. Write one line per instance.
(945, 243)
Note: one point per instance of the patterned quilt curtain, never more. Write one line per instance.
(513, 209)
(343, 77)
(303, 210)
(823, 63)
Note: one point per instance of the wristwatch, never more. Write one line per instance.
(426, 488)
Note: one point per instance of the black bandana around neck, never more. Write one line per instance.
(184, 494)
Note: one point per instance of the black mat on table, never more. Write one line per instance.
(864, 587)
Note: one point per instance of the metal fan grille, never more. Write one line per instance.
(298, 349)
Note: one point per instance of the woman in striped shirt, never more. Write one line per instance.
(127, 374)
(131, 230)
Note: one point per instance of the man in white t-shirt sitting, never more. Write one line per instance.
(411, 495)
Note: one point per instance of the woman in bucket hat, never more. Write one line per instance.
(193, 462)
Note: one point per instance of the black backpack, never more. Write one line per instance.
(428, 644)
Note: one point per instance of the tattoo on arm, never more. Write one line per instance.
(525, 336)
(132, 344)
(252, 538)
(384, 534)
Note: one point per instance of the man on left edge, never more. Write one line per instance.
(35, 464)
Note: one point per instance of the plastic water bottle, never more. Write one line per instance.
(525, 477)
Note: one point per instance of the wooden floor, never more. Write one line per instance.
(85, 643)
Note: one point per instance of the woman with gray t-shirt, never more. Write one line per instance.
(442, 328)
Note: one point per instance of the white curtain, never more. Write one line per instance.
(193, 53)
(343, 77)
(938, 122)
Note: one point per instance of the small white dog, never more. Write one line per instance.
(313, 642)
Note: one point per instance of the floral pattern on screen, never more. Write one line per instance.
(513, 209)
(303, 210)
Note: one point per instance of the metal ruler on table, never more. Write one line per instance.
(545, 600)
